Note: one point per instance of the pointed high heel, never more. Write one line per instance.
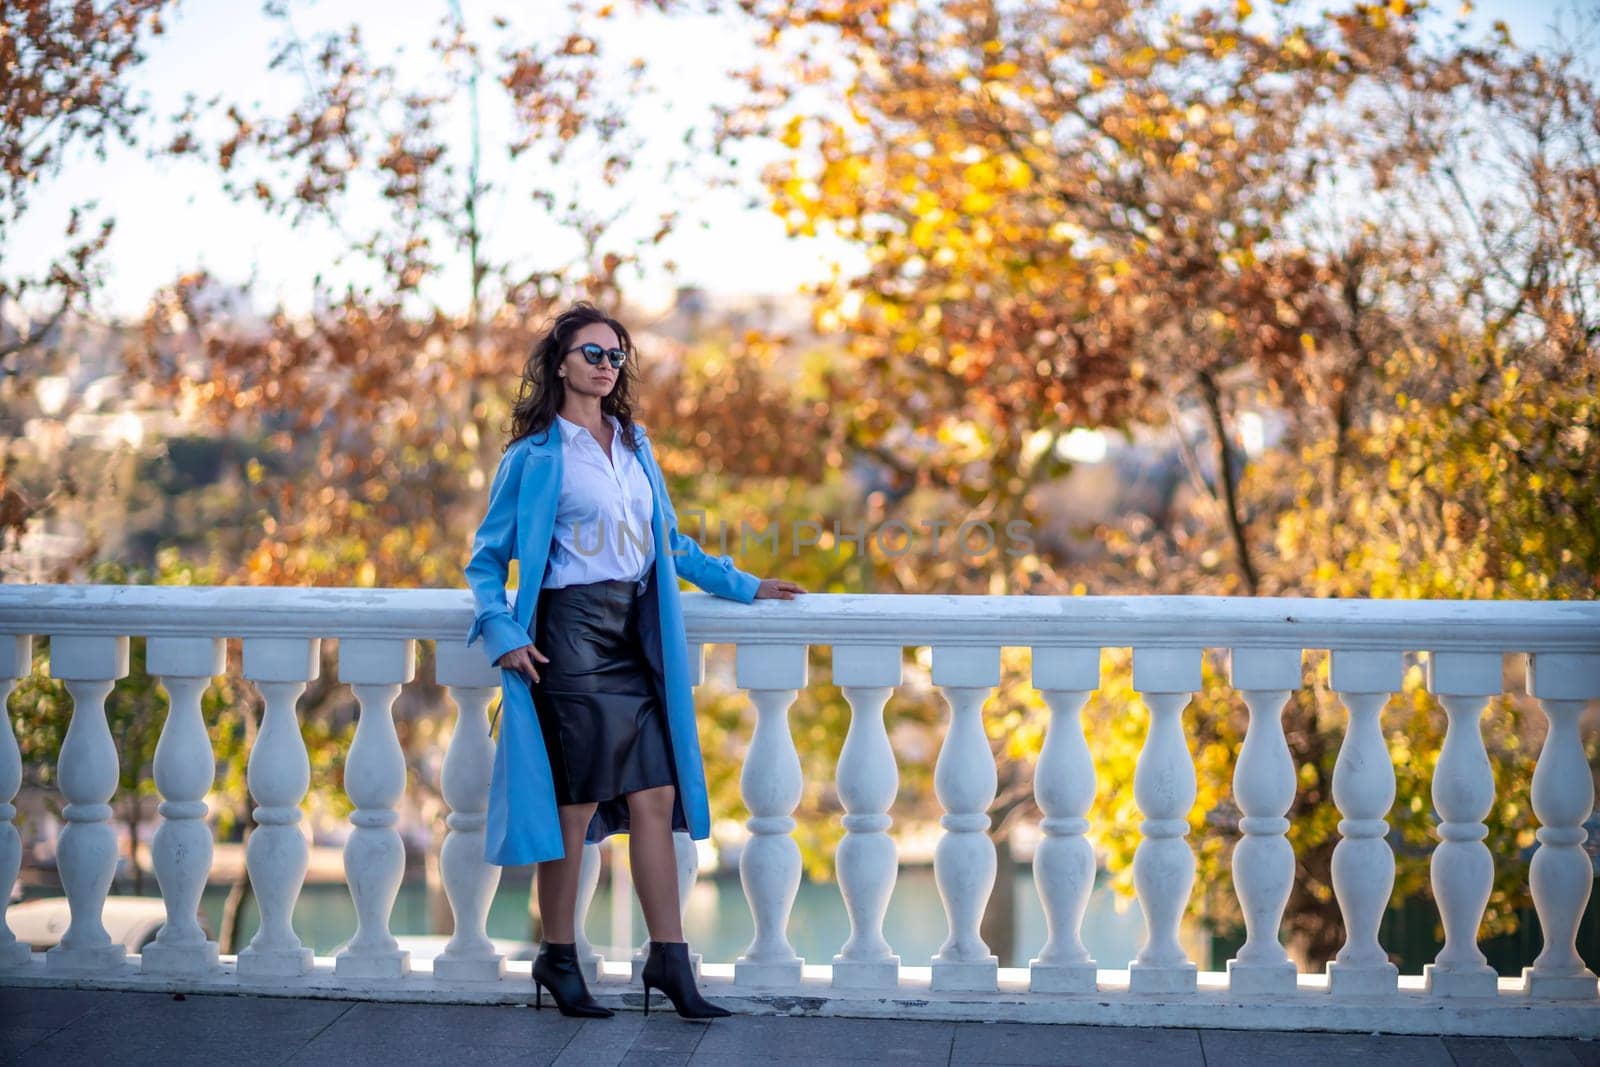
(669, 970)
(556, 969)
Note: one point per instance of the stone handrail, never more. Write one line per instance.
(280, 629)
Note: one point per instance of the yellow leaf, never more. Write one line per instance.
(975, 203)
(981, 174)
(791, 133)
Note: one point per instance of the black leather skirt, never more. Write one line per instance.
(600, 699)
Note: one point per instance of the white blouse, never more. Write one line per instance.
(603, 514)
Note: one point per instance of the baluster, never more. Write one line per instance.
(964, 780)
(469, 881)
(375, 779)
(1263, 787)
(1164, 788)
(1562, 874)
(86, 851)
(770, 783)
(1462, 870)
(688, 856)
(1363, 791)
(589, 960)
(621, 890)
(278, 774)
(867, 861)
(683, 846)
(1064, 786)
(16, 661)
(184, 768)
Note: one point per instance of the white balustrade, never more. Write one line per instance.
(16, 662)
(1463, 642)
(1561, 876)
(184, 769)
(1462, 871)
(1263, 788)
(964, 780)
(866, 862)
(87, 849)
(469, 880)
(1064, 785)
(1363, 791)
(278, 774)
(1164, 788)
(770, 783)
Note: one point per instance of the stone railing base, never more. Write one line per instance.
(1412, 1010)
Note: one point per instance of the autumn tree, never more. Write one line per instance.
(64, 88)
(64, 80)
(1102, 214)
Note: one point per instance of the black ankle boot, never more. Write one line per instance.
(556, 969)
(668, 969)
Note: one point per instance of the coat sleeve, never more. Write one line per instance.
(715, 574)
(490, 563)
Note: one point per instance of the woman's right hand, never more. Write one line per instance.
(521, 661)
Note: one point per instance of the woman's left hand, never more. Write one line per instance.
(777, 589)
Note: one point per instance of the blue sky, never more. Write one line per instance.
(171, 217)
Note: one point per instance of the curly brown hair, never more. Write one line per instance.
(541, 392)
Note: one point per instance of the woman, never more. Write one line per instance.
(598, 731)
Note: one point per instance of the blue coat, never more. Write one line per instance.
(522, 823)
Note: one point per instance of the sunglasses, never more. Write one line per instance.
(593, 354)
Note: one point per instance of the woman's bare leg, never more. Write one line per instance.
(558, 879)
(655, 861)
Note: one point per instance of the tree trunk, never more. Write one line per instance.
(230, 931)
(135, 810)
(1341, 437)
(440, 918)
(999, 925)
(1230, 491)
(1312, 921)
(1315, 927)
